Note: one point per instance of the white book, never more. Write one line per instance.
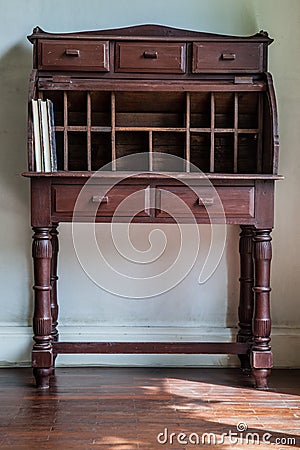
(36, 136)
(44, 127)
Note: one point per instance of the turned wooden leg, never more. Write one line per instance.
(42, 355)
(261, 355)
(245, 310)
(53, 281)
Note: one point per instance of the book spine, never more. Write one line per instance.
(44, 127)
(36, 136)
(39, 104)
(53, 154)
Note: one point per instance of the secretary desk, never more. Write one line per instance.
(206, 99)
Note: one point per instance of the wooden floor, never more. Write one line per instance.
(130, 408)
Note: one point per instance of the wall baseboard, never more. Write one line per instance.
(16, 343)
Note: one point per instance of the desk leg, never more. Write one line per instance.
(245, 310)
(261, 355)
(54, 278)
(53, 281)
(42, 355)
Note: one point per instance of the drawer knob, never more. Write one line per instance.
(72, 52)
(150, 54)
(100, 199)
(205, 201)
(228, 56)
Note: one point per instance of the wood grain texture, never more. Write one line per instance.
(227, 57)
(151, 347)
(73, 55)
(53, 282)
(126, 408)
(147, 57)
(42, 356)
(262, 360)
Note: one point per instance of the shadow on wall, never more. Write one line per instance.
(15, 68)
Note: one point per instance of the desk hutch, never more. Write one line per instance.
(205, 98)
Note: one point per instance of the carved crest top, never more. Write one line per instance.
(149, 31)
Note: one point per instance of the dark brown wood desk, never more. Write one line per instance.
(207, 99)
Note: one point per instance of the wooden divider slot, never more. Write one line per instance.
(66, 149)
(89, 137)
(212, 133)
(217, 133)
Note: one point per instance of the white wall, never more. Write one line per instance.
(189, 311)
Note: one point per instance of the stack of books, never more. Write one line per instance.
(44, 136)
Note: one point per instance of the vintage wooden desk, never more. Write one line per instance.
(203, 97)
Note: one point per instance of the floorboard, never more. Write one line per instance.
(140, 408)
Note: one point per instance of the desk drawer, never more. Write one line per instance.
(227, 57)
(74, 55)
(202, 202)
(101, 200)
(150, 57)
